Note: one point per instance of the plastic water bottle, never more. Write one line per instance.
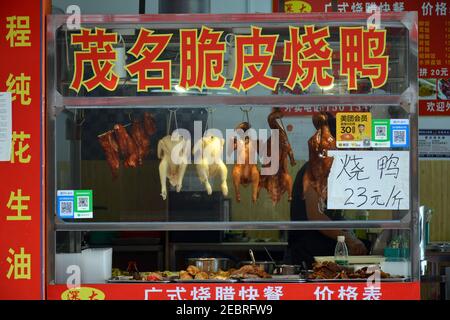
(341, 251)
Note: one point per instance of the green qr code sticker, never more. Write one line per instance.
(83, 204)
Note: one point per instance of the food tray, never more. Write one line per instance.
(274, 280)
(204, 280)
(115, 280)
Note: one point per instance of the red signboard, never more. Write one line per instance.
(21, 247)
(246, 291)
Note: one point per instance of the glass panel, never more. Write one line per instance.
(396, 47)
(135, 195)
(172, 251)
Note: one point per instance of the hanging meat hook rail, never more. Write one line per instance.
(172, 112)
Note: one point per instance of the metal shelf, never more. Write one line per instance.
(236, 225)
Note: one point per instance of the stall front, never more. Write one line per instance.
(196, 157)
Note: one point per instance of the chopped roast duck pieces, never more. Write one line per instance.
(209, 151)
(331, 270)
(127, 147)
(250, 271)
(173, 150)
(245, 171)
(149, 124)
(111, 149)
(141, 139)
(281, 182)
(319, 161)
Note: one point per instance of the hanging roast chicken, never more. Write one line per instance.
(280, 182)
(245, 171)
(173, 150)
(319, 162)
(209, 164)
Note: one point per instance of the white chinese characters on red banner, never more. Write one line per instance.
(239, 291)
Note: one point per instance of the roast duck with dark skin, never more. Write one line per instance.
(319, 162)
(245, 172)
(142, 140)
(127, 146)
(280, 182)
(133, 147)
(111, 149)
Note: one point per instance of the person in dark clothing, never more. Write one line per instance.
(303, 245)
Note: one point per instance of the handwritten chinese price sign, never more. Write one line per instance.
(377, 180)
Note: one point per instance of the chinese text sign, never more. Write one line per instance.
(377, 180)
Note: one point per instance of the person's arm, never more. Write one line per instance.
(355, 245)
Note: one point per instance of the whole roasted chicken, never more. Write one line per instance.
(173, 150)
(280, 182)
(319, 162)
(111, 149)
(245, 171)
(208, 152)
(127, 146)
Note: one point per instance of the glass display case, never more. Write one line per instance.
(126, 207)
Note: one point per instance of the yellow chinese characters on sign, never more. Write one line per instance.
(19, 86)
(19, 148)
(18, 31)
(19, 264)
(353, 129)
(18, 202)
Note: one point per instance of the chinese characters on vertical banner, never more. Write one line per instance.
(307, 52)
(20, 190)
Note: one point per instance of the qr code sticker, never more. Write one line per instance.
(83, 203)
(399, 136)
(380, 132)
(66, 208)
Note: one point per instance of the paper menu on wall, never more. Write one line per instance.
(5, 126)
(376, 180)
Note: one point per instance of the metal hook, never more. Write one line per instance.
(169, 122)
(209, 118)
(245, 113)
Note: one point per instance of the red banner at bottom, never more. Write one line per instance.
(239, 291)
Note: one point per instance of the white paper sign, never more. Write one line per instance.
(5, 126)
(377, 180)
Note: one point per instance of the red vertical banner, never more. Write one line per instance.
(21, 250)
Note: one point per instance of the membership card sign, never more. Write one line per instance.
(353, 130)
(377, 180)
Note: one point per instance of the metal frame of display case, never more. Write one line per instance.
(56, 103)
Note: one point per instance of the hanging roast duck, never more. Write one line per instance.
(245, 172)
(319, 162)
(280, 182)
